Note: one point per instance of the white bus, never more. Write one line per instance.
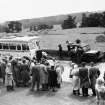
(19, 46)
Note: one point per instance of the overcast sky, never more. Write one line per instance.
(25, 9)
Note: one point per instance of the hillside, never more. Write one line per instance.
(51, 20)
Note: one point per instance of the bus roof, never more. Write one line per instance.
(18, 39)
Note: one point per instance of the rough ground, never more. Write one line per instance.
(63, 96)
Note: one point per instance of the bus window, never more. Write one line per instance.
(0, 45)
(25, 47)
(12, 47)
(5, 46)
(18, 47)
(37, 43)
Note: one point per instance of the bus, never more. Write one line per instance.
(19, 46)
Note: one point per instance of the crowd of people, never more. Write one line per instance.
(46, 74)
(40, 75)
(88, 78)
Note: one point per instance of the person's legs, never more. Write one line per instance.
(38, 84)
(83, 91)
(12, 87)
(32, 84)
(86, 91)
(74, 92)
(94, 92)
(3, 80)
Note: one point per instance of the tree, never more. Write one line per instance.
(84, 22)
(69, 23)
(14, 26)
(93, 20)
(103, 19)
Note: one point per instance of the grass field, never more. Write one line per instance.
(86, 35)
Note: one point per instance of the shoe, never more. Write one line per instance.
(93, 94)
(85, 95)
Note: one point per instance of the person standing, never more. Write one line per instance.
(52, 78)
(68, 46)
(60, 50)
(9, 82)
(100, 91)
(35, 72)
(43, 77)
(84, 79)
(59, 70)
(76, 80)
(25, 73)
(93, 75)
(3, 68)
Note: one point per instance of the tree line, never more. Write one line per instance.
(40, 27)
(91, 20)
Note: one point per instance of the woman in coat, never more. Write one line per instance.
(100, 91)
(43, 76)
(76, 80)
(59, 70)
(9, 82)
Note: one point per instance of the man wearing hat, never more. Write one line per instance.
(93, 75)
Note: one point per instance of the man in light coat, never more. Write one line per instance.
(76, 80)
(59, 70)
(43, 76)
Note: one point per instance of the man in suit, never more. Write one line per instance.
(94, 73)
(25, 73)
(84, 80)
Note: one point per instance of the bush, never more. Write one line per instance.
(100, 38)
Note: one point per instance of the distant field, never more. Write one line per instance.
(86, 35)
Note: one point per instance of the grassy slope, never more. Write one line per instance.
(51, 41)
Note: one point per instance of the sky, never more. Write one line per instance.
(27, 9)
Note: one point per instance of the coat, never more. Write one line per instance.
(35, 72)
(59, 71)
(9, 77)
(84, 79)
(43, 74)
(93, 75)
(76, 79)
(52, 77)
(3, 68)
(25, 72)
(100, 93)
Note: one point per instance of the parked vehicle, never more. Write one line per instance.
(19, 46)
(88, 55)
